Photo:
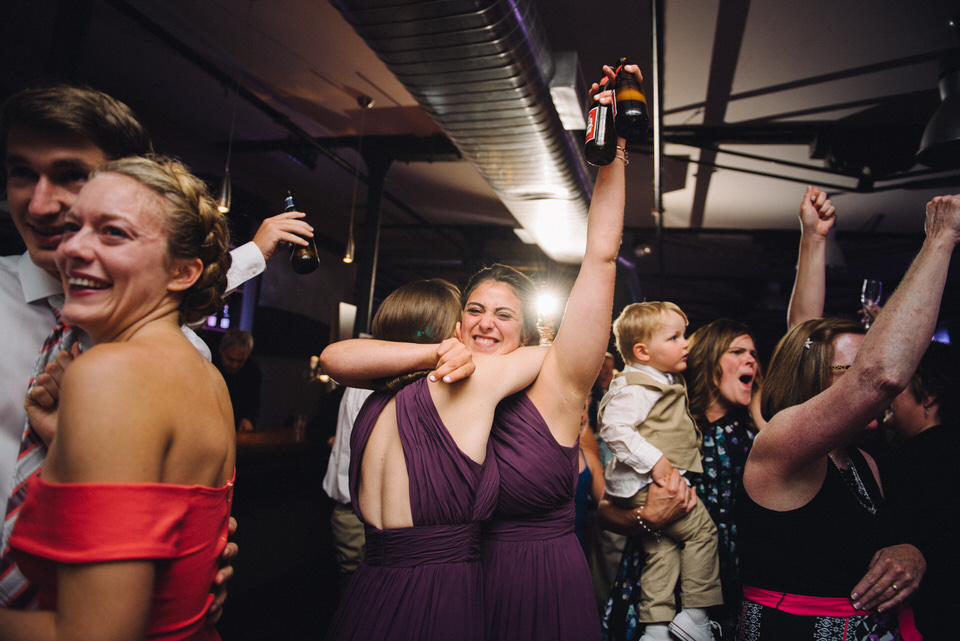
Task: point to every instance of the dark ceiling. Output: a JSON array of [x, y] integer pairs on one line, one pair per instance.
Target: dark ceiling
[[759, 99]]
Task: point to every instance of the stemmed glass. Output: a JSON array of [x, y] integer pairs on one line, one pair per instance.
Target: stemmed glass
[[871, 292]]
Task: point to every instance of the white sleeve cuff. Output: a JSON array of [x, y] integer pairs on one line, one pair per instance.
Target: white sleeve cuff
[[248, 262]]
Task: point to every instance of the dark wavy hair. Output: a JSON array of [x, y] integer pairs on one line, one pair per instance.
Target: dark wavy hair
[[707, 345], [78, 110], [523, 288], [938, 374]]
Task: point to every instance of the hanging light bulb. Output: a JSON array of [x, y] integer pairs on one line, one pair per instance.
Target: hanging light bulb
[[226, 188], [365, 102], [226, 192], [348, 254]]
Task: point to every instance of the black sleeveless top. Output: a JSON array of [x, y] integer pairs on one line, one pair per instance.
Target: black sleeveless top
[[821, 549]]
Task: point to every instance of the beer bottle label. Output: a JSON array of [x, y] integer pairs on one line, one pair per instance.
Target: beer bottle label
[[591, 124]]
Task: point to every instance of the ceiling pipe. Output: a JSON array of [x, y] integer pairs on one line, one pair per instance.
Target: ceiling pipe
[[482, 70]]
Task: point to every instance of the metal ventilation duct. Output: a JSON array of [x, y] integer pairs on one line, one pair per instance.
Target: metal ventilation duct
[[482, 70]]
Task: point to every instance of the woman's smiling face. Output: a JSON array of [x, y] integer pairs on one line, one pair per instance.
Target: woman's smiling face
[[113, 257], [492, 319]]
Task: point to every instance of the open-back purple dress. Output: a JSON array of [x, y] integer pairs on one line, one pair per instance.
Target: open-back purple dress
[[537, 584], [421, 583]]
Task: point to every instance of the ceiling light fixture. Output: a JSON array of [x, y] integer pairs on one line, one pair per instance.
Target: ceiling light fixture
[[225, 201], [226, 189], [365, 102], [940, 145]]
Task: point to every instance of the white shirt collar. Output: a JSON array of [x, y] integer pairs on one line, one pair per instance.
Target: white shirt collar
[[657, 375], [36, 283]]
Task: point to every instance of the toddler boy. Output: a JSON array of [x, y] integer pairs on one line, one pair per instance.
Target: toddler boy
[[645, 420]]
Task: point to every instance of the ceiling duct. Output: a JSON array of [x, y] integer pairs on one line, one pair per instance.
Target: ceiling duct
[[482, 69]]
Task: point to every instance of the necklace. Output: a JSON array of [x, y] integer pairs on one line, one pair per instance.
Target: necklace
[[852, 479]]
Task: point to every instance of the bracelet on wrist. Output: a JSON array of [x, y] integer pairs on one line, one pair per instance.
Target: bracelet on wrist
[[622, 155], [654, 533]]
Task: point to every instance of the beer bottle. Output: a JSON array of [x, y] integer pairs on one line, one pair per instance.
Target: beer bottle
[[631, 119], [600, 147], [303, 259]]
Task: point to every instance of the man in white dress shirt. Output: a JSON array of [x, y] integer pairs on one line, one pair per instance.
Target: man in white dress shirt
[[347, 528], [51, 137]]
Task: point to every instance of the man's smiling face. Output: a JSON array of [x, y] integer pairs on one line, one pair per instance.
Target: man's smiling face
[[45, 171]]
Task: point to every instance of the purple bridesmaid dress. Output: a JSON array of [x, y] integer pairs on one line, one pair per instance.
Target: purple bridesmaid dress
[[421, 583], [537, 584]]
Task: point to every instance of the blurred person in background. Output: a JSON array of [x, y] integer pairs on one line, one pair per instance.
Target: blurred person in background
[[242, 375]]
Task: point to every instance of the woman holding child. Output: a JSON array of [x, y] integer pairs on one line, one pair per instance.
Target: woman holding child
[[722, 373]]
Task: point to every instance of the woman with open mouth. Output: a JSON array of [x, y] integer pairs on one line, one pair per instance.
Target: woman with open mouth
[[723, 374]]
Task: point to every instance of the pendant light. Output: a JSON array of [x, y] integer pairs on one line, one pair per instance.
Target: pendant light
[[226, 189], [365, 102], [940, 145]]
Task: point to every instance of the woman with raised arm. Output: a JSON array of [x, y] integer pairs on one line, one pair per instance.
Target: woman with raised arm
[[817, 217], [809, 513], [122, 528], [537, 584], [537, 581], [422, 477]]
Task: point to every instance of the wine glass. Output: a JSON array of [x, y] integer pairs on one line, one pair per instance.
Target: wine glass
[[871, 292]]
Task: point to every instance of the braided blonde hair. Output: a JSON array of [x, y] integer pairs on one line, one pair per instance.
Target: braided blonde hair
[[195, 228]]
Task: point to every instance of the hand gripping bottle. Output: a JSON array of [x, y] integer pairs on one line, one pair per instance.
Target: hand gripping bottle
[[600, 147], [631, 120], [303, 259]]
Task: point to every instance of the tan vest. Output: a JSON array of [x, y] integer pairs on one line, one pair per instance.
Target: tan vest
[[669, 426]]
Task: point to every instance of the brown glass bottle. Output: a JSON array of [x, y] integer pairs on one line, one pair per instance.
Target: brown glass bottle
[[600, 147], [631, 119], [303, 259]]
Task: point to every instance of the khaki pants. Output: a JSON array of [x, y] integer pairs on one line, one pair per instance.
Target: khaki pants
[[686, 549], [348, 539]]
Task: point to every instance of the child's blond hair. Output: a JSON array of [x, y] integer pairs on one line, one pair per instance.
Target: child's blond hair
[[637, 323]]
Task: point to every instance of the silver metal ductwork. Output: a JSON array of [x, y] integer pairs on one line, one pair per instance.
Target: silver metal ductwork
[[482, 69]]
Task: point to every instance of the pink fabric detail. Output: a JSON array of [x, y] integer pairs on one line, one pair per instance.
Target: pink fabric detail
[[908, 627], [800, 604]]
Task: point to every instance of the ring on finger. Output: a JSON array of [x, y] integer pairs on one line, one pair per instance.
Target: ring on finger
[[894, 586]]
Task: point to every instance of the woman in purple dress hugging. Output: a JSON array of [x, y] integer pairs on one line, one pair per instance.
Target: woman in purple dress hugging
[[536, 581], [423, 475]]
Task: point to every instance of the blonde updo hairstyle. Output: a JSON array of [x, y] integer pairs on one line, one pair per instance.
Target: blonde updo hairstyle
[[195, 228]]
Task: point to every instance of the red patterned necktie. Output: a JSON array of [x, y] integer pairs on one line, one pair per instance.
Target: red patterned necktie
[[16, 593]]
